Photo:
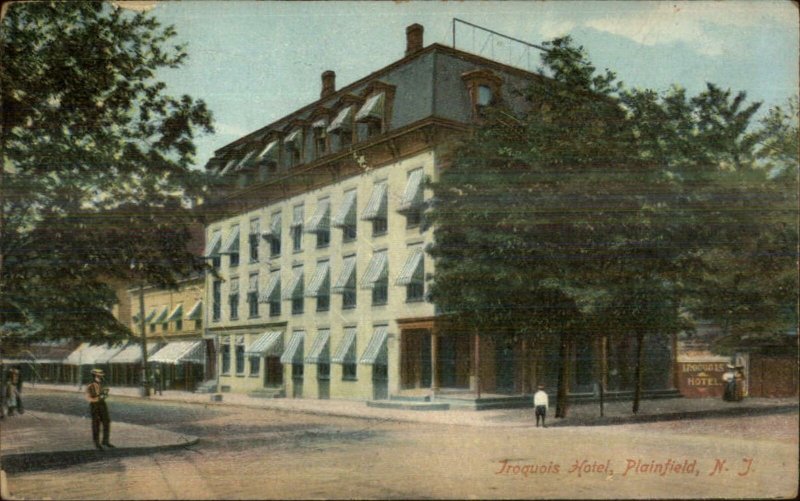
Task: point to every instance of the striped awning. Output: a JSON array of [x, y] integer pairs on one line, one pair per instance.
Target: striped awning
[[348, 271], [150, 316], [293, 138], [320, 221], [269, 343], [297, 216], [346, 351], [294, 349], [178, 352], [373, 108], [319, 353], [107, 353], [196, 313], [376, 352], [268, 151], [320, 281], [412, 271], [274, 230], [231, 245], [177, 314], [86, 354], [245, 161], [346, 215], [295, 288], [273, 289], [212, 249], [228, 167], [342, 120], [162, 317], [376, 206], [132, 354], [376, 270], [320, 123], [412, 195]]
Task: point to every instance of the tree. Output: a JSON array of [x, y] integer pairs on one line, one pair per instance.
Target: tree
[[96, 164]]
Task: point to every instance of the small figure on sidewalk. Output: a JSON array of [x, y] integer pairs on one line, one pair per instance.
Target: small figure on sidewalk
[[540, 403], [157, 381], [738, 379], [96, 394], [12, 397], [729, 395]]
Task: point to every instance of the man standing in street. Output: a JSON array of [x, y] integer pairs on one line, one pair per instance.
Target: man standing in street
[[540, 403], [96, 394]]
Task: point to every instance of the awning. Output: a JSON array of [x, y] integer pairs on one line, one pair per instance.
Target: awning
[[132, 354], [373, 108], [320, 123], [295, 288], [342, 120], [413, 270], [177, 314], [376, 207], [228, 167], [150, 316], [376, 270], [346, 352], [319, 353], [162, 317], [320, 281], [273, 289], [348, 271], [244, 162], [267, 344], [297, 216], [107, 353], [178, 352], [320, 221], [268, 150], [274, 230], [213, 245], [292, 139], [196, 313], [294, 350], [86, 354], [412, 195], [346, 215], [376, 349], [231, 245]]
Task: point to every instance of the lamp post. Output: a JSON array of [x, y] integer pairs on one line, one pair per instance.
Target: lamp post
[[145, 389]]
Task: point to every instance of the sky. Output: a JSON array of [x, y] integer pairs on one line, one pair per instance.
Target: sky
[[255, 62]]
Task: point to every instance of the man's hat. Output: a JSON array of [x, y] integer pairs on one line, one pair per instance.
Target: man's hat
[[541, 387], [98, 372]]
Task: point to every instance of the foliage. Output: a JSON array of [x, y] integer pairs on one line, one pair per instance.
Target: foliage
[[88, 133]]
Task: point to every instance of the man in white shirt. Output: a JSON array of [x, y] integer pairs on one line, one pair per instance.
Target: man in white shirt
[[540, 401]]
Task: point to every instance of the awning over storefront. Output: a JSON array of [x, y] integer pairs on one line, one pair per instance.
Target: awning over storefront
[[232, 242], [319, 353], [320, 221], [346, 215], [376, 206], [412, 271], [412, 195], [294, 350], [178, 352], [348, 270], [87, 354], [295, 288], [346, 351], [376, 270], [320, 281], [267, 344], [376, 349], [132, 354]]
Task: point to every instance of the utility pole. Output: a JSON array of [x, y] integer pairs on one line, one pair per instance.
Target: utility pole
[[142, 326]]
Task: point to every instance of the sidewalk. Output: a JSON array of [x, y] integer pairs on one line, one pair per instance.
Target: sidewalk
[[582, 414]]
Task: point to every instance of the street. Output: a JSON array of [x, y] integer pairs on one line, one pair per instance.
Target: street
[[253, 453]]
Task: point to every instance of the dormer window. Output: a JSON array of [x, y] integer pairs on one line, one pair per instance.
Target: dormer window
[[342, 127], [267, 160], [320, 129], [371, 114], [483, 88], [294, 147]]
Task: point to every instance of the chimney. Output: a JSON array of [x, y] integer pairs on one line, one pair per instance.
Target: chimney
[[328, 83], [414, 38]]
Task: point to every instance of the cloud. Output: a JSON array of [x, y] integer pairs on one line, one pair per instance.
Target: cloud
[[694, 23]]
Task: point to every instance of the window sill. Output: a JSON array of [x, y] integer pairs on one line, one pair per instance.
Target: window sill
[[240, 374], [415, 300], [253, 375], [349, 379], [251, 317], [380, 304], [349, 307]]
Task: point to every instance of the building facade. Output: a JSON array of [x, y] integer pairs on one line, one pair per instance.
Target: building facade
[[319, 238]]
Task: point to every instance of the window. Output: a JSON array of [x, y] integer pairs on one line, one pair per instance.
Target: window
[[376, 210], [231, 246], [320, 223], [273, 235], [152, 327], [272, 294], [411, 202], [267, 160], [349, 371], [483, 88], [252, 296], [319, 287], [253, 239], [216, 261], [275, 246], [297, 229], [275, 307], [380, 291], [234, 259], [178, 325], [233, 299], [323, 371], [377, 278], [345, 217], [255, 366], [349, 298], [213, 247], [346, 283], [371, 114], [342, 127], [297, 371], [346, 354], [323, 238], [484, 95], [294, 147], [320, 137], [379, 226], [165, 327], [198, 324], [297, 305], [412, 275], [225, 353], [239, 357], [294, 292], [216, 300]]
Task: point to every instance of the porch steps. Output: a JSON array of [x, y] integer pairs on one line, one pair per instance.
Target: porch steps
[[208, 386], [408, 405], [268, 393]]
